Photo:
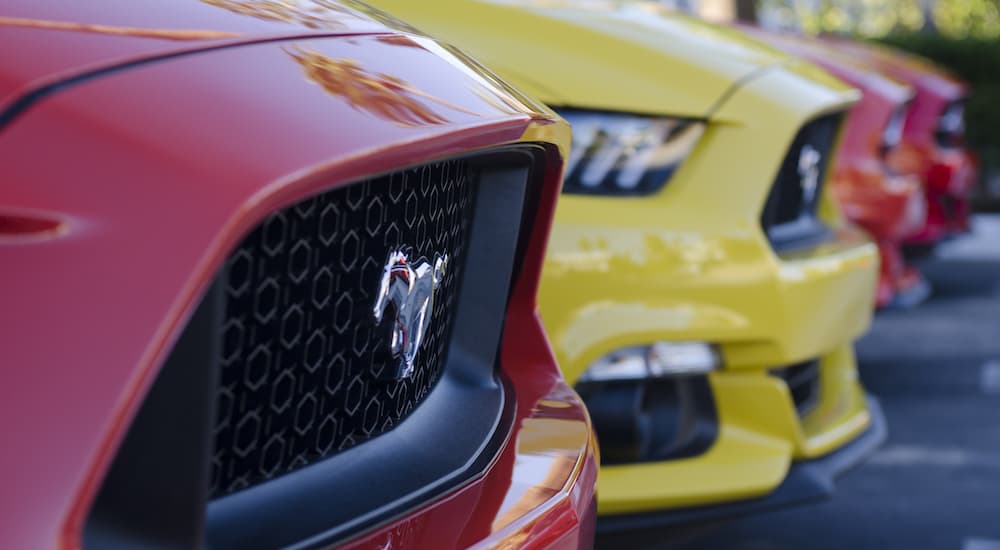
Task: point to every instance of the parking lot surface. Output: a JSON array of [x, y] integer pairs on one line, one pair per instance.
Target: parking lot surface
[[935, 484]]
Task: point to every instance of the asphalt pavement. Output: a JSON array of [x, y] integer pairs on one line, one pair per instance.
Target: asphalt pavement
[[935, 484]]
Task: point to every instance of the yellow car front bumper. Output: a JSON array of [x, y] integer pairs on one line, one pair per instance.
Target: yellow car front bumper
[[804, 481], [759, 436], [763, 315]]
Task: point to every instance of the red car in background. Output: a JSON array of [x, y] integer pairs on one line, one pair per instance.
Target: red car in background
[[889, 203], [270, 276], [933, 139]]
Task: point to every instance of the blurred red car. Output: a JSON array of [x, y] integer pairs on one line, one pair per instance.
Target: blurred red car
[[888, 203], [270, 276], [933, 139]]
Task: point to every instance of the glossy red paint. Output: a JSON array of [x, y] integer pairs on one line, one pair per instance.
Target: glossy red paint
[[153, 173], [540, 491], [119, 31], [890, 205], [950, 171]]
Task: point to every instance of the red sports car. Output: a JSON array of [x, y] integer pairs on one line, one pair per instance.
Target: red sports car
[[933, 139], [888, 203], [269, 280]]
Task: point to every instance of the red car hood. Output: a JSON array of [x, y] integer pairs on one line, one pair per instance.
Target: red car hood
[[919, 73], [56, 39], [858, 71]]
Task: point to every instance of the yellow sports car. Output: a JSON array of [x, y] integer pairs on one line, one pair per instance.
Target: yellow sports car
[[701, 290]]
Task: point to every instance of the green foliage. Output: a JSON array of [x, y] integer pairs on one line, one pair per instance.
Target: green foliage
[[975, 60], [857, 17], [967, 18], [952, 18]]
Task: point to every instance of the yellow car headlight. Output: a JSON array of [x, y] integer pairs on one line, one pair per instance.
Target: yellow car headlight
[[623, 154]]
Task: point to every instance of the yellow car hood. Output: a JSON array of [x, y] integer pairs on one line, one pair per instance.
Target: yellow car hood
[[613, 55]]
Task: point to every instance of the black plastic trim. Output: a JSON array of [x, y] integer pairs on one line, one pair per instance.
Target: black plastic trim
[[943, 138], [807, 230], [807, 481], [802, 234], [804, 382], [155, 491], [529, 214], [652, 420]]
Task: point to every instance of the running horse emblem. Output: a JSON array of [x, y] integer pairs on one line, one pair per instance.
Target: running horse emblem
[[409, 286]]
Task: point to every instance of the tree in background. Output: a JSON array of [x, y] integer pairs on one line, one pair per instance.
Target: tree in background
[[972, 18], [952, 18], [864, 17]]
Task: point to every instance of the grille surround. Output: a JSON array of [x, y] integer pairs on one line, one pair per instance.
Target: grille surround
[[422, 457], [949, 134], [363, 486], [303, 362], [789, 218], [803, 381]]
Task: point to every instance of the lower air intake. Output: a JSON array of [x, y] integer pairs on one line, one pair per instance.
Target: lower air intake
[[803, 383]]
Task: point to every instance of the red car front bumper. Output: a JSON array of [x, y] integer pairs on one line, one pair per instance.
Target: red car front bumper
[[931, 147], [540, 492], [950, 177], [889, 207]]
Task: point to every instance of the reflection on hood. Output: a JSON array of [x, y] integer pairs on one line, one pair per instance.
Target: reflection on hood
[[312, 16], [378, 94], [166, 34]]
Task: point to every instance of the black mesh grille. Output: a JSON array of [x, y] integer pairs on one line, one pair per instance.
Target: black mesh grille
[[790, 199], [950, 131], [803, 383], [301, 354]]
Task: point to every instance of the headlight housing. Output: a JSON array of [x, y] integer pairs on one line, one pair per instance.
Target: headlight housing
[[623, 154], [950, 131], [892, 135]]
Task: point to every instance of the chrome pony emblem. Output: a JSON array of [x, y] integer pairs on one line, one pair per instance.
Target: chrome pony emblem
[[809, 166], [409, 286]]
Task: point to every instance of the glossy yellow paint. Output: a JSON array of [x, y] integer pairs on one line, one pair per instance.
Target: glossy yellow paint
[[690, 262], [758, 439], [595, 54]]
